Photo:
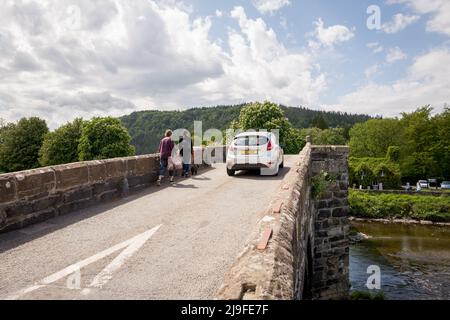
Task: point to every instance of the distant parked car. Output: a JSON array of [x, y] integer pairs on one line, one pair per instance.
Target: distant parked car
[[445, 185], [432, 183], [255, 150], [423, 183]]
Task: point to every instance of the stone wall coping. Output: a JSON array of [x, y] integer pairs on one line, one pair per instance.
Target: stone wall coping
[[327, 148]]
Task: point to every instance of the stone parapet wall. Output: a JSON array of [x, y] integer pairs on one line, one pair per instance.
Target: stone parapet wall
[[36, 195], [307, 254], [332, 227]]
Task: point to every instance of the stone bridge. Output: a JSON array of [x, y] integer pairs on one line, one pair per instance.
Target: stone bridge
[[103, 230]]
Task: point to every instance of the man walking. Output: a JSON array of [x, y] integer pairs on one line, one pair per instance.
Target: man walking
[[165, 149], [187, 153]]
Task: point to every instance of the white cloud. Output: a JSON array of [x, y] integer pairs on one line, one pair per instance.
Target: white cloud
[[270, 6], [372, 71], [439, 11], [262, 68], [139, 54], [329, 36], [395, 54], [399, 23], [284, 23], [375, 46], [219, 13], [426, 82]]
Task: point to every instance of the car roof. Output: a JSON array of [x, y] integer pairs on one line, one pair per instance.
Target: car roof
[[253, 134]]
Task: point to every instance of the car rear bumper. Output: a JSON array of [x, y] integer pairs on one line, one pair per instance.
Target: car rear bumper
[[247, 166], [238, 163]]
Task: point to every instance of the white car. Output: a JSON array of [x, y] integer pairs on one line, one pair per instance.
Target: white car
[[423, 184], [255, 150]]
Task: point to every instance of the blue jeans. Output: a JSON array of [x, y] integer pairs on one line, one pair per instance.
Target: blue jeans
[[164, 163], [186, 168]]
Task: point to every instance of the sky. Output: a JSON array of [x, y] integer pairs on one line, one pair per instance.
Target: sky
[[64, 59]]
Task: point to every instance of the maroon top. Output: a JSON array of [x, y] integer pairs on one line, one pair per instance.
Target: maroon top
[[165, 148]]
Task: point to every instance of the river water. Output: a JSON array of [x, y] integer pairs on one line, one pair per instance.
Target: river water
[[414, 260]]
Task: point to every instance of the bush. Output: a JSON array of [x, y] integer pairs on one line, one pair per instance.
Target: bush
[[20, 144], [398, 206], [104, 138], [61, 145]]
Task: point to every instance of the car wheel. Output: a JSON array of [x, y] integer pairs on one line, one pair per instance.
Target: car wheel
[[282, 165], [231, 173], [277, 172]]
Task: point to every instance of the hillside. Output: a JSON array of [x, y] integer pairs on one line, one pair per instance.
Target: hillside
[[147, 127]]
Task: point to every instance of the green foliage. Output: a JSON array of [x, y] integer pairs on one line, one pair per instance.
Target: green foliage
[[320, 122], [20, 144], [61, 145], [393, 154], [397, 206], [269, 116], [147, 127], [374, 137], [301, 117], [295, 142], [370, 171], [418, 141], [388, 174], [320, 183], [104, 138], [333, 136]]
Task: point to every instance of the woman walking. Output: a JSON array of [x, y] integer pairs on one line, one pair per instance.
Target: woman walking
[[165, 149]]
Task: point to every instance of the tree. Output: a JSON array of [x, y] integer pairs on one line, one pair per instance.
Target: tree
[[393, 154], [104, 138], [269, 116], [61, 145], [333, 136], [374, 137], [320, 122], [440, 147], [20, 144]]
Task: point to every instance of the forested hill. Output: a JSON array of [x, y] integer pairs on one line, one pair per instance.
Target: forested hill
[[147, 127]]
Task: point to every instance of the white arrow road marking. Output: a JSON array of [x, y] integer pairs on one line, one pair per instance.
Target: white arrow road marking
[[132, 246]]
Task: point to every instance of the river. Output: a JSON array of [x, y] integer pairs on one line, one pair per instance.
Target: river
[[414, 260]]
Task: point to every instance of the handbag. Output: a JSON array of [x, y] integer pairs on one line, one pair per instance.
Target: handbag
[[170, 164], [177, 162]]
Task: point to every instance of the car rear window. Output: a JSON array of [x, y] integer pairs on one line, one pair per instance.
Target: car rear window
[[251, 141]]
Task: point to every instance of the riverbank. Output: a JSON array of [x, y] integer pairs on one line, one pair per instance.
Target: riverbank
[[401, 208], [402, 221]]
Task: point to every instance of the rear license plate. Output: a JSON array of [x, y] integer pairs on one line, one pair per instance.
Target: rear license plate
[[249, 152]]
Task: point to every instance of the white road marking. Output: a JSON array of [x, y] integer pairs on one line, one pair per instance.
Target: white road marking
[[103, 277], [131, 245]]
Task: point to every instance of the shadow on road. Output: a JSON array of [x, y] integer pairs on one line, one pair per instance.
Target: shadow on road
[[13, 239], [255, 175]]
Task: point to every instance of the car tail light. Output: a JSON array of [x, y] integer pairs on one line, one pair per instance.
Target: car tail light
[[231, 149], [269, 146]]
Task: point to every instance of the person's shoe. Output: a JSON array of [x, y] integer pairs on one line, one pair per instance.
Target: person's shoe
[[172, 180], [158, 183]]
